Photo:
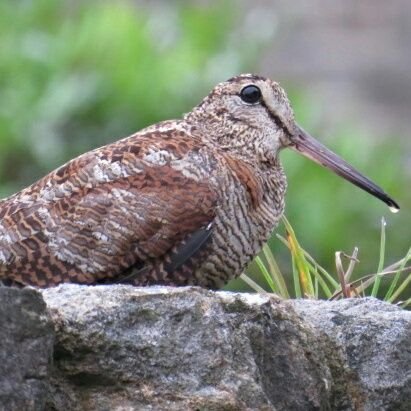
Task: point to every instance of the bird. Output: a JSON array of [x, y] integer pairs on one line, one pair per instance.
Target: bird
[[182, 202]]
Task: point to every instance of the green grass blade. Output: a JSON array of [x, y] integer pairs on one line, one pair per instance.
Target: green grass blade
[[400, 288], [275, 272], [323, 271], [313, 263], [396, 278], [321, 282], [252, 284], [296, 280], [406, 303], [316, 288], [266, 274], [300, 261], [377, 282]]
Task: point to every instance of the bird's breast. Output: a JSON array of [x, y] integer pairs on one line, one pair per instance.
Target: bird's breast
[[250, 204]]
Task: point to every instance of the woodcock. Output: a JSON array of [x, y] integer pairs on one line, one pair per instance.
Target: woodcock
[[188, 201]]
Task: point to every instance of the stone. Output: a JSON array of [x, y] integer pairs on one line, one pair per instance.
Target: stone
[[374, 339], [162, 348], [26, 344], [158, 348]]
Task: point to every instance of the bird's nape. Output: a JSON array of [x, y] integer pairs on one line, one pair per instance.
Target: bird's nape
[[309, 147]]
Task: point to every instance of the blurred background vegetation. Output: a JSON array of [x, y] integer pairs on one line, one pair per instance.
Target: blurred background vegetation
[[76, 75]]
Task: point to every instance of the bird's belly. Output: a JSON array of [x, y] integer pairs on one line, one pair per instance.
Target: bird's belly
[[238, 235]]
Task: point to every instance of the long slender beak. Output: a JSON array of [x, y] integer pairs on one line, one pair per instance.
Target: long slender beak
[[309, 147]]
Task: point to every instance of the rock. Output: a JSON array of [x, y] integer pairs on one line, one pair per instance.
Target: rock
[[374, 339], [158, 348], [26, 343]]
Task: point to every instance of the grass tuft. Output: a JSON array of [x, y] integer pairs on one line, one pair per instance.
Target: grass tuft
[[310, 280]]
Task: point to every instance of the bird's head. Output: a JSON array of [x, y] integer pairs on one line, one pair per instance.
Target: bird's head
[[251, 116]]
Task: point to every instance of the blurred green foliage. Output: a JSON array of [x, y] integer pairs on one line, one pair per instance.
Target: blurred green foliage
[[76, 75]]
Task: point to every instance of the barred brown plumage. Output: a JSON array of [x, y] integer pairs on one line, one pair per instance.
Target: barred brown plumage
[[187, 201]]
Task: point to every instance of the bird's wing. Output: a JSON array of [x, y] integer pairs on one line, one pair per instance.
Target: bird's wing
[[108, 210]]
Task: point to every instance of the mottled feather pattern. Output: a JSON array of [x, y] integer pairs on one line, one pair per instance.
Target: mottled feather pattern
[[130, 206]]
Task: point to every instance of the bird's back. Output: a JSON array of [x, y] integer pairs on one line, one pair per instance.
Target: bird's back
[[137, 204]]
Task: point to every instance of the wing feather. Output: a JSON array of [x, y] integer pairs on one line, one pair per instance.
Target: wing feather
[[104, 212]]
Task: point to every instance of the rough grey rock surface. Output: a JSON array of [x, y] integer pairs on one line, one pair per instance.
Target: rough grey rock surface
[[26, 344], [374, 339], [125, 348]]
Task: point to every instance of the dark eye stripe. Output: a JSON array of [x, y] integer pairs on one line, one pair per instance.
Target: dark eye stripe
[[276, 119]]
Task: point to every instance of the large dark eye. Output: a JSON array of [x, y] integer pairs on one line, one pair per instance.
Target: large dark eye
[[250, 94]]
